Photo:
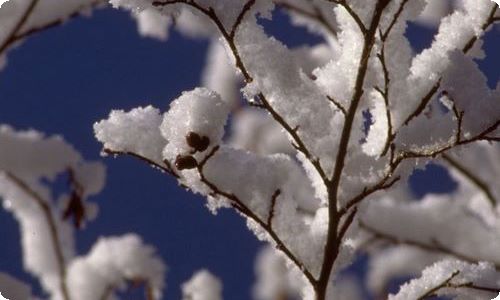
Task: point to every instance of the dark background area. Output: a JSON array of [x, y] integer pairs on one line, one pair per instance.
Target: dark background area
[[63, 80]]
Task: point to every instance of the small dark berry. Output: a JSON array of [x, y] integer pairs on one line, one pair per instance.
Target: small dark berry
[[185, 162], [197, 142]]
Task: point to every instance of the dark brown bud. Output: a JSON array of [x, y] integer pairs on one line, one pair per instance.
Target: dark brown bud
[[185, 162], [75, 210], [197, 142]]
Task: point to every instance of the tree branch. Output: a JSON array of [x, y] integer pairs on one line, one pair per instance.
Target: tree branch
[[448, 284], [244, 210], [337, 105], [210, 13], [316, 15], [491, 19], [434, 246], [333, 243], [54, 234], [435, 152], [17, 35], [462, 169], [167, 168], [433, 90], [443, 284], [273, 205], [395, 18], [385, 96], [352, 13], [17, 27], [367, 191], [347, 223]]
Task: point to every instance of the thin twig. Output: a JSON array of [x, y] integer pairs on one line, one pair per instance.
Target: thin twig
[[240, 206], [316, 15], [394, 20], [472, 177], [433, 90], [352, 13], [434, 246], [439, 286], [272, 209], [55, 23], [385, 96], [383, 184], [167, 168], [19, 24], [51, 222], [337, 105]]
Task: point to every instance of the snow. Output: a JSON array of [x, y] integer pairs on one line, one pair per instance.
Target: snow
[[481, 274], [201, 112], [134, 131], [202, 286], [112, 262], [12, 288], [29, 162]]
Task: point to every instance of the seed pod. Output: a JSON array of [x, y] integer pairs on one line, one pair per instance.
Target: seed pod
[[197, 142], [185, 162]]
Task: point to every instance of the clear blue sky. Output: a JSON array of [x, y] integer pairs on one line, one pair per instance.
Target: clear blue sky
[[63, 80]]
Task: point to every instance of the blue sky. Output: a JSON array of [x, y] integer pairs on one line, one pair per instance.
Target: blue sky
[[63, 80]]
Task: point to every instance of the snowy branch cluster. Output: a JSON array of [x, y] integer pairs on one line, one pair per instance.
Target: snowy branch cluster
[[312, 146]]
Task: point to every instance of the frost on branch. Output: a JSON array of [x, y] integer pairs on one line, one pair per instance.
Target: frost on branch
[[194, 151], [111, 264], [453, 278], [202, 286], [20, 18], [194, 124], [327, 129], [136, 131], [29, 163], [463, 225]]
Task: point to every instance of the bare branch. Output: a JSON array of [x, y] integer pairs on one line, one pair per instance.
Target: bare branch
[[385, 96], [167, 168], [272, 209], [347, 223], [337, 105], [239, 19], [470, 285]]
